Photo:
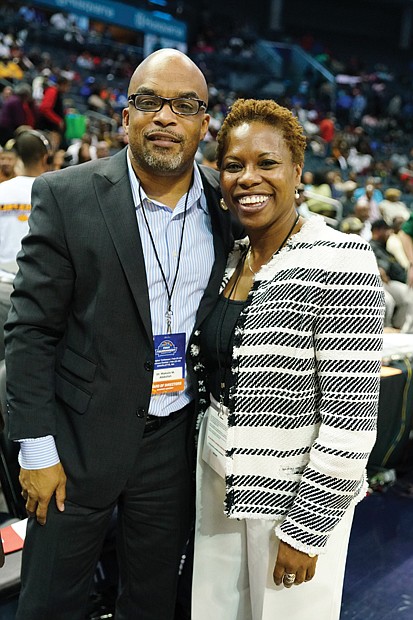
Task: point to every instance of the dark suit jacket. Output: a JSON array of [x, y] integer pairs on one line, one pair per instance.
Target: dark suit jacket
[[79, 348]]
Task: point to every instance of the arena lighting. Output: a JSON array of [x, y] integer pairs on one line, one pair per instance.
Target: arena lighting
[[159, 2]]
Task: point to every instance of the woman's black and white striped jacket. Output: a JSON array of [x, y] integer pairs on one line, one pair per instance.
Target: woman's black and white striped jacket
[[303, 410]]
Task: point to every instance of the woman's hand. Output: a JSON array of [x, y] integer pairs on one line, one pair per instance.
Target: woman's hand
[[291, 562]]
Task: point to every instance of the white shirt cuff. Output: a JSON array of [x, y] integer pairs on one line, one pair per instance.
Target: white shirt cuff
[[38, 453]]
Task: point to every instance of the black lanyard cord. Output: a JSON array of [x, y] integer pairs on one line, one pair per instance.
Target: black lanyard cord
[[169, 293]]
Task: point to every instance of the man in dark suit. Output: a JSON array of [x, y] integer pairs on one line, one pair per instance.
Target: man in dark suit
[[123, 260]]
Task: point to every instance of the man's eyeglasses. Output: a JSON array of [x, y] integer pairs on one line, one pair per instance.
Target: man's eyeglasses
[[184, 106]]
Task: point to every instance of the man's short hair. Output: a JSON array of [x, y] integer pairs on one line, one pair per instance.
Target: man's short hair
[[31, 146], [380, 225]]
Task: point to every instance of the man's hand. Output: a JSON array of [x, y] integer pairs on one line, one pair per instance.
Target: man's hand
[[291, 562], [38, 486]]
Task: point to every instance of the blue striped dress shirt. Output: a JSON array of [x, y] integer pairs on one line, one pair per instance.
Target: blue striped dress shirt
[[197, 258]]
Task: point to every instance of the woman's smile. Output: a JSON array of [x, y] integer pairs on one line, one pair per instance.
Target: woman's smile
[[252, 203]]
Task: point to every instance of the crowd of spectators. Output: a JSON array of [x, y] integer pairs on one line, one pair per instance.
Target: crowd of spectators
[[359, 161]]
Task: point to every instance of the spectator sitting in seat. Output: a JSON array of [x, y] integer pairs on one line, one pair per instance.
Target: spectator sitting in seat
[[371, 197], [395, 244], [301, 202], [370, 190], [392, 206], [406, 238], [320, 187], [362, 212], [80, 148], [102, 149], [351, 225], [394, 277], [347, 199]]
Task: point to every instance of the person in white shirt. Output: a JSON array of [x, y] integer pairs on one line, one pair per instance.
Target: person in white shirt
[[392, 206], [394, 242], [34, 150], [362, 211]]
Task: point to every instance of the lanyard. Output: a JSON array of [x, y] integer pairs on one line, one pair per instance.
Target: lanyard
[[169, 293]]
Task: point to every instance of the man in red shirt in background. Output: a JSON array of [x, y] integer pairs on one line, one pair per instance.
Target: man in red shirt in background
[[327, 131], [51, 110]]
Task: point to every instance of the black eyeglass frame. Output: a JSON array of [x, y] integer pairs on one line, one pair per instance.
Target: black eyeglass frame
[[169, 101]]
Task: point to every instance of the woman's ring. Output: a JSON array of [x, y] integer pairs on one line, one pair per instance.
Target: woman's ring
[[289, 578]]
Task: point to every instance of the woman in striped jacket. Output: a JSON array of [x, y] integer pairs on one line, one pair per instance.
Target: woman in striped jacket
[[288, 366]]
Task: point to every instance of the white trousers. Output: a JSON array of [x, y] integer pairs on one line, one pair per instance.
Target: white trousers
[[234, 561]]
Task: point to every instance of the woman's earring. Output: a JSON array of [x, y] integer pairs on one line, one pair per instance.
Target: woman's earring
[[297, 195], [223, 205]]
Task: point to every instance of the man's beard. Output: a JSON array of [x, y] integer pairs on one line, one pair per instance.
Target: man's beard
[[163, 162], [159, 160]]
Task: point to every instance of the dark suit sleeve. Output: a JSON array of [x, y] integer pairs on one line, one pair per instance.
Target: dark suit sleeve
[[37, 319]]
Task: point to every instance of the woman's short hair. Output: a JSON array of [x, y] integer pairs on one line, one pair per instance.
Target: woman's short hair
[[270, 113]]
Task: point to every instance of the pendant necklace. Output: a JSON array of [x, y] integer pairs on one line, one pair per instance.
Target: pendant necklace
[[248, 256]]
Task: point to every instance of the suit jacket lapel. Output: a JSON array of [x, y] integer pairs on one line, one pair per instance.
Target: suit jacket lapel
[[116, 203]]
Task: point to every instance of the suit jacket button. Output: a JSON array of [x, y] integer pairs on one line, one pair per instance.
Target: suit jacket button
[[141, 412], [148, 365]]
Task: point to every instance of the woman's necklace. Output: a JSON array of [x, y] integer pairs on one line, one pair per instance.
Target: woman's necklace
[[248, 256]]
